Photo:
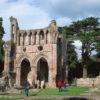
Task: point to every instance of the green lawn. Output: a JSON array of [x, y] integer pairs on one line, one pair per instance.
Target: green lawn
[[71, 91], [8, 98], [41, 93]]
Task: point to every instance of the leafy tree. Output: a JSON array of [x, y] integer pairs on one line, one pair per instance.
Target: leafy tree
[[1, 45], [72, 55], [85, 30], [1, 41], [72, 61]]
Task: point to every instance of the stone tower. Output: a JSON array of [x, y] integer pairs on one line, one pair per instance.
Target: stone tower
[[37, 55]]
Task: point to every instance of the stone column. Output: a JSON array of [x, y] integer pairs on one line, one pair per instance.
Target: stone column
[[34, 39], [31, 39], [52, 78], [31, 76], [21, 40], [27, 39], [6, 59], [37, 38], [18, 76]]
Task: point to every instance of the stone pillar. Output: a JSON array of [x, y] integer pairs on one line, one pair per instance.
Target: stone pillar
[[34, 39], [27, 40], [52, 78], [45, 36], [6, 59], [49, 39], [37, 38], [18, 76], [21, 40], [31, 39], [31, 76]]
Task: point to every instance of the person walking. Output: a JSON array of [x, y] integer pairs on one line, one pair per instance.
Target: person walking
[[26, 87]]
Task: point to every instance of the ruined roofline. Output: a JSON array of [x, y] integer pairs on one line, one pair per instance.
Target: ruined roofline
[[41, 29], [33, 30], [52, 22]]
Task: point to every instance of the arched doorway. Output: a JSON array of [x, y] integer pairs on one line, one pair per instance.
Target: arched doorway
[[1, 67], [42, 70], [25, 69]]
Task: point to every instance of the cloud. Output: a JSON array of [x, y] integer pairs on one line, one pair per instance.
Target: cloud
[[38, 13], [71, 8], [62, 21], [28, 16]]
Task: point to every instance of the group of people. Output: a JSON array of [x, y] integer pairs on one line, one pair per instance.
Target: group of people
[[62, 85]]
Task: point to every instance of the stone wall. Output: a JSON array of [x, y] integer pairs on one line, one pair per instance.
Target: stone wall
[[36, 44], [89, 82]]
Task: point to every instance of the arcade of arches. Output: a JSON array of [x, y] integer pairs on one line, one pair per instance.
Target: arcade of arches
[[42, 71]]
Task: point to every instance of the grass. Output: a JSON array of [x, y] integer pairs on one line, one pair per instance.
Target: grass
[[3, 98], [49, 94], [71, 91]]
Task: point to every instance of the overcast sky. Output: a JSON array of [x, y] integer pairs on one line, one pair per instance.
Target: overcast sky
[[39, 13]]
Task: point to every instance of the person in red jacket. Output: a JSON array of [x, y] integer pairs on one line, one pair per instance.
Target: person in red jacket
[[59, 84]]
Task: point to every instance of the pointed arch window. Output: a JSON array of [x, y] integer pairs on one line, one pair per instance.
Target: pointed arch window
[[35, 37], [24, 38], [47, 37], [41, 36], [30, 38], [19, 39]]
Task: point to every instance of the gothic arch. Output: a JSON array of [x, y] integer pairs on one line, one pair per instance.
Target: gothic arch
[[24, 38], [21, 58], [30, 38], [38, 57], [47, 36], [42, 70], [41, 36], [19, 39]]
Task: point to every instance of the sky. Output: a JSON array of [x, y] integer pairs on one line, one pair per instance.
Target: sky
[[38, 13]]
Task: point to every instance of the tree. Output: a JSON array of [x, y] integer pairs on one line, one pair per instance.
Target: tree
[[72, 61], [85, 31], [1, 44]]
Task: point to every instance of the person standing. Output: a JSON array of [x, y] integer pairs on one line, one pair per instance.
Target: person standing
[[59, 84]]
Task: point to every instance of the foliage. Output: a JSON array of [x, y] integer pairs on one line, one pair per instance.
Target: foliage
[[86, 31], [66, 31], [72, 55], [1, 28], [1, 41]]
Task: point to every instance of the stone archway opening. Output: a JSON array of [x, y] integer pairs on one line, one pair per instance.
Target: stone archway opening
[[25, 69], [1, 68], [42, 70]]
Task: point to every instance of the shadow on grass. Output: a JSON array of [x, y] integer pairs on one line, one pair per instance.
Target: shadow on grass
[[36, 93], [75, 98]]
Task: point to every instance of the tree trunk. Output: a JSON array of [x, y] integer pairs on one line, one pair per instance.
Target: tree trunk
[[84, 71]]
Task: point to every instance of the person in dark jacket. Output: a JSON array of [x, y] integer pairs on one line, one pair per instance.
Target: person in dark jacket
[[26, 87]]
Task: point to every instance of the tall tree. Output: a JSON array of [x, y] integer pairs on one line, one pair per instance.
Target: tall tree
[[72, 61], [1, 44], [85, 31], [71, 57]]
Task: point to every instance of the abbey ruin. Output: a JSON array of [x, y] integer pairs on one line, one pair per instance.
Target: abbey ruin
[[36, 55]]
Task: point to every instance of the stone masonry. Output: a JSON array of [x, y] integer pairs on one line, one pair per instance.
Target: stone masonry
[[36, 55]]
